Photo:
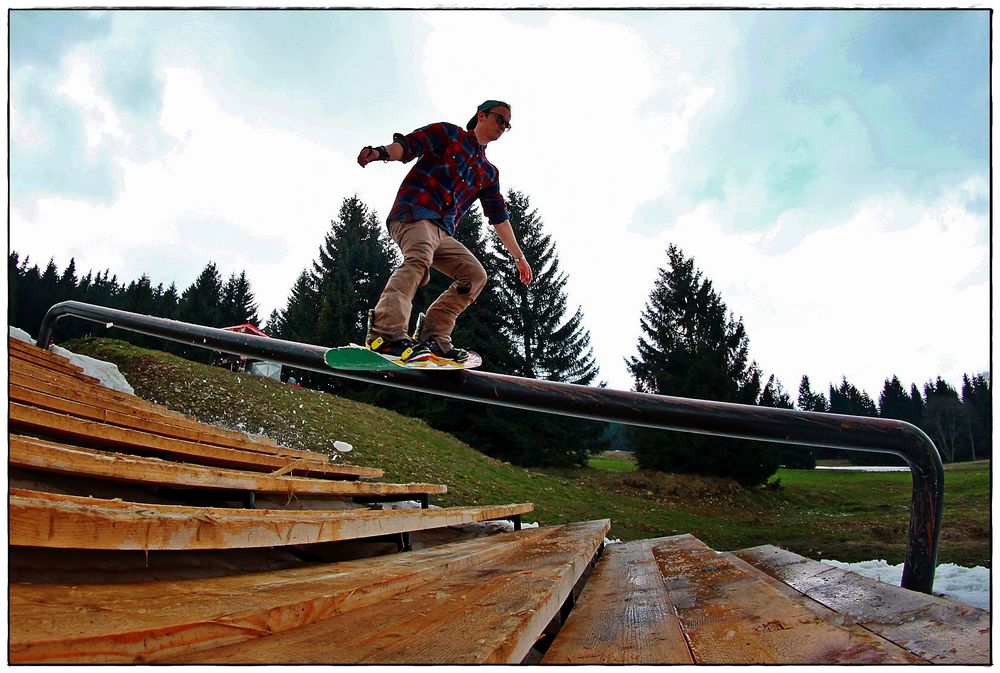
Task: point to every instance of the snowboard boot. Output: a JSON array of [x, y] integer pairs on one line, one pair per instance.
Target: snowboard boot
[[453, 356], [404, 350]]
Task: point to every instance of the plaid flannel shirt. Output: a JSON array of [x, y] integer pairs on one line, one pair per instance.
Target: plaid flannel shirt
[[451, 173]]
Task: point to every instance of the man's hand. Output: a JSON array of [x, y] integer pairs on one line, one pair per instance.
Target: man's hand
[[524, 269], [367, 156]]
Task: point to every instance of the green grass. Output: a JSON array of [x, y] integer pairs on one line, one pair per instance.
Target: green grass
[[611, 464], [849, 516]]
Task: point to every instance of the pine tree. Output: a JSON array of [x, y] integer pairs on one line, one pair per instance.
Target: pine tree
[[849, 400], [238, 303], [168, 303], [355, 262], [139, 296], [977, 401], [895, 402], [551, 342], [691, 346], [789, 455], [14, 274], [201, 302], [810, 401], [943, 418], [66, 285], [297, 321]]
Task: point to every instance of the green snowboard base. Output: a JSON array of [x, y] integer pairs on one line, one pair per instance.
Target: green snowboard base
[[359, 358]]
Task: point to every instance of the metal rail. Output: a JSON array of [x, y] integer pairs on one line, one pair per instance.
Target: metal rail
[[740, 421]]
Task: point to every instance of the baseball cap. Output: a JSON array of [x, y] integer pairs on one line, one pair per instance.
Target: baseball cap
[[485, 107]]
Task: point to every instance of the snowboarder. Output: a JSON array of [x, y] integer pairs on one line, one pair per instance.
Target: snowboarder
[[451, 173]]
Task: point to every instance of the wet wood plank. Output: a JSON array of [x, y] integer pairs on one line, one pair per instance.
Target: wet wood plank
[[39, 454], [29, 374], [732, 613], [151, 621], [25, 351], [486, 614], [39, 519], [103, 412], [623, 616], [937, 629], [92, 433]]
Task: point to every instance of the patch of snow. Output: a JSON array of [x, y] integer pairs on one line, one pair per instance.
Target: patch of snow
[[864, 468], [21, 335], [106, 372], [965, 585], [343, 447]]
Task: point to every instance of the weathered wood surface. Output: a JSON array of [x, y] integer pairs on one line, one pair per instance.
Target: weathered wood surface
[[50, 520], [39, 454], [623, 616], [937, 629], [92, 433], [102, 412], [25, 351], [150, 621], [35, 367], [487, 613], [28, 375], [733, 614]]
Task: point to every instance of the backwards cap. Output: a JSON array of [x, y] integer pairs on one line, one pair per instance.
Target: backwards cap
[[485, 107]]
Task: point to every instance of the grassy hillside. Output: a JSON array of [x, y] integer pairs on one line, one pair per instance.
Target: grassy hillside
[[846, 516]]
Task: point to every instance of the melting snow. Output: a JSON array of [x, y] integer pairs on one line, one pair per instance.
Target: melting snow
[[965, 585]]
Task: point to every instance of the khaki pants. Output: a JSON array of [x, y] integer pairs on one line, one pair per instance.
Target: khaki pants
[[425, 245]]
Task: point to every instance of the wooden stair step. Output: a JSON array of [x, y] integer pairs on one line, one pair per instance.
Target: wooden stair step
[[490, 612], [136, 419], [731, 613], [47, 456], [25, 351], [149, 621], [38, 519], [623, 615], [38, 377], [936, 629], [91, 433]]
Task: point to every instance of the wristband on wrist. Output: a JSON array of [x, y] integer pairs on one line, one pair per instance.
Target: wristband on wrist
[[383, 153]]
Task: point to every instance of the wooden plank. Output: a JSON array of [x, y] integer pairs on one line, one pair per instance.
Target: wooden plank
[[59, 386], [49, 456], [47, 360], [136, 419], [150, 621], [937, 629], [78, 430], [623, 615], [24, 350], [66, 383], [733, 614], [39, 519], [487, 614]]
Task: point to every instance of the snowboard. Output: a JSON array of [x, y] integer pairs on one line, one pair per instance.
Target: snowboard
[[359, 358]]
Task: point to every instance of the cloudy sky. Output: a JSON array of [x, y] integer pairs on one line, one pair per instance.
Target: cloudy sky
[[828, 170]]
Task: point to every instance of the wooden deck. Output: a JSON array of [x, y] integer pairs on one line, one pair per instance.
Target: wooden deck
[[139, 535]]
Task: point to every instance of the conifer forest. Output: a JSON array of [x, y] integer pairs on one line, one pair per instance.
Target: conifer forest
[[690, 345]]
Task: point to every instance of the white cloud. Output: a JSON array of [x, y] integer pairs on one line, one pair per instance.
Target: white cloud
[[224, 172], [882, 293]]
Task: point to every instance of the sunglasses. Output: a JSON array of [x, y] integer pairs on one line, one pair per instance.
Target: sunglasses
[[504, 124]]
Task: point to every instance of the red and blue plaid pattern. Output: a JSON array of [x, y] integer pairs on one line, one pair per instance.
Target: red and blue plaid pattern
[[451, 173]]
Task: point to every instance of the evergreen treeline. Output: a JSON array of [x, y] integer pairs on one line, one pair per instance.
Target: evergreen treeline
[[209, 300], [691, 345]]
